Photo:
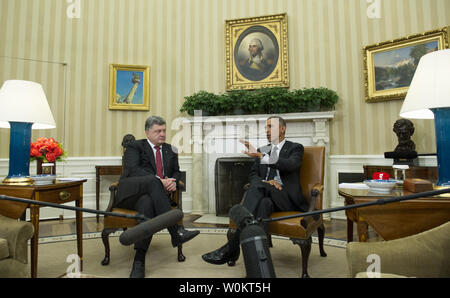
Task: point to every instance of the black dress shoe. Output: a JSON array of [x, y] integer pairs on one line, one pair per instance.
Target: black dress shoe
[[138, 270], [183, 236], [222, 255]]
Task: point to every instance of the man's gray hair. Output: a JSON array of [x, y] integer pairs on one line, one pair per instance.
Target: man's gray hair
[[152, 120], [258, 43]]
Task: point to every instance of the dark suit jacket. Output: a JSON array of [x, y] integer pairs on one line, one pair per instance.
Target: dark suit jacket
[[288, 165], [139, 161]]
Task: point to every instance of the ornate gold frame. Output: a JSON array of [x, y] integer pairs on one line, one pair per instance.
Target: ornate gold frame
[[272, 26], [372, 95], [114, 102]]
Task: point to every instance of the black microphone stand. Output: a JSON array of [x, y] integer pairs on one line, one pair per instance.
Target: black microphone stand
[[138, 217]]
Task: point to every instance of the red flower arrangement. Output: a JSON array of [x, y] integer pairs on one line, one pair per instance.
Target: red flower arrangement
[[47, 149]]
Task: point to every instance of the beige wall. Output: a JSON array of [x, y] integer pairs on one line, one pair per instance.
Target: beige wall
[[183, 43]]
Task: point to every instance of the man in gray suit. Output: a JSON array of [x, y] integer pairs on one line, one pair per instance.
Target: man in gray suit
[[150, 173]]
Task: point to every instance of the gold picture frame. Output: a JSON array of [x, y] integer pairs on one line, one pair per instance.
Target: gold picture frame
[[268, 39], [389, 66], [129, 87]]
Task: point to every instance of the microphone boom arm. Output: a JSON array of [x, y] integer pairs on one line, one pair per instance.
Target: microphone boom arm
[[138, 217]]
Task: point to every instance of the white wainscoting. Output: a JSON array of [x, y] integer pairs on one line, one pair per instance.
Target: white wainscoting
[[84, 167]]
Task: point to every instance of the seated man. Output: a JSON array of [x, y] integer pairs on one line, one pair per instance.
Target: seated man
[[274, 184], [150, 173]]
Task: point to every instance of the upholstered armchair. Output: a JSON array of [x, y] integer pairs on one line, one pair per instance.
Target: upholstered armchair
[[300, 230], [426, 254], [14, 236], [112, 223]]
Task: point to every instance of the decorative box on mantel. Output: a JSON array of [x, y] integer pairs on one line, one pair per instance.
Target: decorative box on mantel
[[214, 137]]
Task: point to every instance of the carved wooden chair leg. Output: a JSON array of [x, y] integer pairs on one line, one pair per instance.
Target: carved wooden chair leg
[[305, 247], [105, 239], [181, 257]]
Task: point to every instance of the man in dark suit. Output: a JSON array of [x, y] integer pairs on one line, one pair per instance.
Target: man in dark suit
[[150, 173], [274, 184]]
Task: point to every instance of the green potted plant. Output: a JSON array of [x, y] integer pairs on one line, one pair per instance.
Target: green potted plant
[[273, 100], [202, 100]]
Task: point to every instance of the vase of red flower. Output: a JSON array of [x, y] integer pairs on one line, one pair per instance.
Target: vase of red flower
[[46, 151]]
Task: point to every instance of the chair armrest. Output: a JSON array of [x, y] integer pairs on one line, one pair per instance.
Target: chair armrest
[[315, 203], [114, 186], [316, 194], [112, 195], [181, 186], [17, 233]]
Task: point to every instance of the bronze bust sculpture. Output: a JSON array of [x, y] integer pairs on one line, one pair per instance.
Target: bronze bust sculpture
[[404, 129]]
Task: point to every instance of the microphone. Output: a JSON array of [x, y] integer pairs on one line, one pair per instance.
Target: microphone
[[254, 243], [255, 249], [148, 228], [241, 216]]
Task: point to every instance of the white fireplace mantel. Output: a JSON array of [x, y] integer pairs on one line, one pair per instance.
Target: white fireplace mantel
[[217, 136]]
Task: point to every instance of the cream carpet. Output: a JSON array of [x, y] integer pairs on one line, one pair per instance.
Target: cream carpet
[[161, 262]]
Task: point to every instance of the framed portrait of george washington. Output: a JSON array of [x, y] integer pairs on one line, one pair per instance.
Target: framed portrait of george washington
[[390, 66], [129, 87], [257, 52]]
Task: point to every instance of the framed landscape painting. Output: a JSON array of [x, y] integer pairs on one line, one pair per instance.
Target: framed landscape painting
[[390, 65], [129, 87], [257, 52]]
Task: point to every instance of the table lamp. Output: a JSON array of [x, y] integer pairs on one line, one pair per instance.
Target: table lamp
[[428, 97], [23, 106]]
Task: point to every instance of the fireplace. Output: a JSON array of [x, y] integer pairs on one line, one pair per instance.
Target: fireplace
[[231, 174], [213, 138]]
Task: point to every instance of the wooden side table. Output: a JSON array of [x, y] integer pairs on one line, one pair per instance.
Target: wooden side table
[[394, 220], [60, 192], [100, 171]]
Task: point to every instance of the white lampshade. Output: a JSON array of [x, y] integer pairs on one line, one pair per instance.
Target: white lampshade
[[430, 86], [25, 101]]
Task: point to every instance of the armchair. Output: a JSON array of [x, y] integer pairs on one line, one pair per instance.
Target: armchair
[[426, 254], [14, 236], [300, 230], [112, 224]]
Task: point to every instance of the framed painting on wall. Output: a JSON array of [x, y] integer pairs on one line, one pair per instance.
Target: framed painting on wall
[[390, 65], [129, 87], [257, 52]]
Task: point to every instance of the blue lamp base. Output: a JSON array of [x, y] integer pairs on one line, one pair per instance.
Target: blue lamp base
[[19, 153], [442, 126]]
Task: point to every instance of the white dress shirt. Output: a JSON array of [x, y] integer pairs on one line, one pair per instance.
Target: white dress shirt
[[265, 160]]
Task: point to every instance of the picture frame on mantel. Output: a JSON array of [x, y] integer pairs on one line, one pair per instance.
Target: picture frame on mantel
[[257, 52], [129, 87], [390, 66]]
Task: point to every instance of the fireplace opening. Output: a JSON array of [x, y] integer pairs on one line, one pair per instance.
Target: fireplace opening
[[231, 175]]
